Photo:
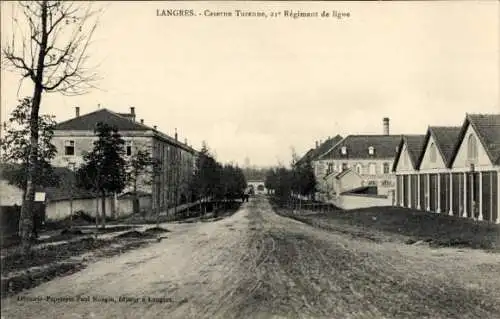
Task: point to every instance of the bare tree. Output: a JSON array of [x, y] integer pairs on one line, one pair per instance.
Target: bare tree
[[48, 45]]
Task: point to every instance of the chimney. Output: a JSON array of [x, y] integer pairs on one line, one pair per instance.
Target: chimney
[[132, 111], [154, 127], [186, 141], [98, 105], [142, 121], [386, 125], [317, 144], [176, 134], [77, 111]]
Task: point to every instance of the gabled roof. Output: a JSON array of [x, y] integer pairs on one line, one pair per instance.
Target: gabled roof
[[315, 153], [414, 144], [444, 137], [487, 127], [357, 147], [307, 157], [88, 121]]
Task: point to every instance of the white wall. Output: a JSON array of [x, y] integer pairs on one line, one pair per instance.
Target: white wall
[[9, 194], [124, 206], [361, 201], [461, 161], [426, 162]]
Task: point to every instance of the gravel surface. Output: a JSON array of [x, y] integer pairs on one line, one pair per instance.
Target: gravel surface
[[256, 264]]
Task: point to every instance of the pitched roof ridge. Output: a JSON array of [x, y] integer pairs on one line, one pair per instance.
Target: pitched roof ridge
[[73, 118]]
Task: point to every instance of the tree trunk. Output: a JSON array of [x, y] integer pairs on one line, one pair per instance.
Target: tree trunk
[[135, 206], [103, 208], [26, 219], [96, 214]]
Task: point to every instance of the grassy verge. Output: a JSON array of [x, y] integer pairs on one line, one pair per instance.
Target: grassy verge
[[21, 271], [411, 226]]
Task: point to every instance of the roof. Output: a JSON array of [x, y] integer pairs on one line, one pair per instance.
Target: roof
[[67, 187], [131, 194], [307, 157], [88, 121], [487, 127], [315, 153], [122, 122], [444, 137], [414, 144], [357, 147], [64, 190]]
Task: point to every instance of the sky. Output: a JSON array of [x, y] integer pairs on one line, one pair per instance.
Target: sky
[[254, 87]]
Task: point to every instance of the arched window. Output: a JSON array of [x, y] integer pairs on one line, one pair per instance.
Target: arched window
[[432, 153], [371, 150], [472, 148]]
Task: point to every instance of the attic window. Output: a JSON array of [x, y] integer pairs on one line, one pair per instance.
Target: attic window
[[343, 150], [69, 148], [371, 150]]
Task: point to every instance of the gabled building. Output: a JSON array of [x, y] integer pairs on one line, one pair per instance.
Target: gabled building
[[370, 156], [433, 168], [475, 167], [406, 169], [312, 157], [74, 137], [457, 170]]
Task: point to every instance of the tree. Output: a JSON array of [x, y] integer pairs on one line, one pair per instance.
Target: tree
[[15, 146], [104, 170], [304, 182], [48, 46], [140, 168]]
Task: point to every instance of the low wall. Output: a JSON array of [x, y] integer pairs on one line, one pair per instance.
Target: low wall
[[354, 201], [124, 206]]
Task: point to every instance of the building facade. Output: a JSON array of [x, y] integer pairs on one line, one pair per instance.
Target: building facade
[[458, 170], [370, 156], [168, 185]]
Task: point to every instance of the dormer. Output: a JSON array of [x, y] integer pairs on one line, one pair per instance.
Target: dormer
[[343, 150], [371, 150]]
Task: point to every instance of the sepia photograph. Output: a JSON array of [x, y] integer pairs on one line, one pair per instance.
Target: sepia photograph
[[250, 159]]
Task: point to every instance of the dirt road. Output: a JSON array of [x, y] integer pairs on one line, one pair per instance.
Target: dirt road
[[256, 264]]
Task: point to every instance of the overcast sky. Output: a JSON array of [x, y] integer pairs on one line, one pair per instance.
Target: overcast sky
[[254, 87]]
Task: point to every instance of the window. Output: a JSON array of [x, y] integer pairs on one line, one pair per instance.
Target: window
[[128, 148], [371, 150], [344, 166], [69, 148], [432, 153], [372, 168], [330, 168], [343, 150], [471, 148], [359, 169], [386, 168]]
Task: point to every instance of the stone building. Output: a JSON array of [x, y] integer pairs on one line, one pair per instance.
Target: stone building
[[370, 156], [169, 186]]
